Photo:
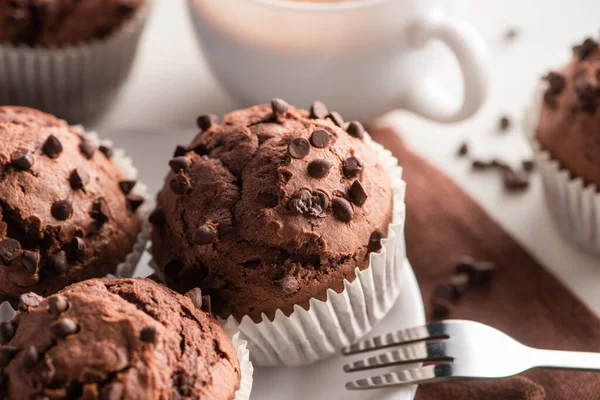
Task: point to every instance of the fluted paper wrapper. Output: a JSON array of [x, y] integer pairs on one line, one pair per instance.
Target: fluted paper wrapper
[[574, 205], [76, 82], [310, 335]]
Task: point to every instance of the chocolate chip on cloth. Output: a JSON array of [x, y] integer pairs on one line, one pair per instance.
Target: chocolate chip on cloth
[[145, 344], [273, 215], [62, 22], [52, 204]]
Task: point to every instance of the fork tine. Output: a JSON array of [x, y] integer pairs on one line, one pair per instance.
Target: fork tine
[[402, 337], [399, 378], [418, 352]]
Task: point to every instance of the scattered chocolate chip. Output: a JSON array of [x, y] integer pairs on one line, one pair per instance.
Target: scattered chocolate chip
[[583, 50], [180, 163], [342, 210], [357, 194], [289, 285], [87, 147], [62, 210], [352, 167], [375, 241], [478, 164], [79, 178], [305, 202], [63, 327], [112, 391], [99, 212], [355, 129], [196, 296], [336, 118], [30, 260], [463, 150], [299, 148], [511, 34], [180, 184], [59, 262], [319, 168], [586, 94], [252, 264], [134, 201], [76, 248], [9, 250], [29, 300], [22, 159], [148, 335], [444, 291], [7, 353], [515, 180], [528, 165], [206, 304], [483, 273], [52, 147], [503, 123], [279, 106], [30, 358], [556, 84], [57, 304], [206, 121], [319, 138], [441, 308], [180, 151], [7, 331], [127, 186], [318, 110], [460, 284], [158, 218], [206, 234], [107, 151]]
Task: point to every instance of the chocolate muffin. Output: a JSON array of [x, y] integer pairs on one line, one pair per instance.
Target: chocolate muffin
[[116, 339], [67, 212], [569, 122], [62, 22], [270, 209]]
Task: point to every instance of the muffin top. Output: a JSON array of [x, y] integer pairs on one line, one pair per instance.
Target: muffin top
[[62, 22], [569, 126], [116, 339], [67, 212], [270, 209]]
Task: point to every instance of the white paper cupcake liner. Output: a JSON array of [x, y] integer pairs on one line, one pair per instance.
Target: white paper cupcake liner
[[574, 205], [75, 82]]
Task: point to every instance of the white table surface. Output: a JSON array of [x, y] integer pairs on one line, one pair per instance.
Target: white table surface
[[171, 85]]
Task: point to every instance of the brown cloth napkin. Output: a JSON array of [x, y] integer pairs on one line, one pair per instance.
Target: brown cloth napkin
[[525, 300]]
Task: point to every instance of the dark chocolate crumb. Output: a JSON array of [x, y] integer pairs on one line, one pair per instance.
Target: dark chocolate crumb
[[148, 335], [78, 178], [375, 241], [99, 212], [305, 202], [180, 151]]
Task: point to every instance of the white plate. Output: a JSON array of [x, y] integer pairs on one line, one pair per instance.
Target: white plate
[[326, 379]]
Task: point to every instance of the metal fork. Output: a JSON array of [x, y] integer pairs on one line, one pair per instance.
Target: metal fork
[[456, 349]]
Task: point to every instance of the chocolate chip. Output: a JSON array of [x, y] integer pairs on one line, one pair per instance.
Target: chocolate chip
[[9, 250], [528, 165], [375, 241], [319, 168], [62, 210], [113, 391], [583, 50], [299, 148], [87, 147], [76, 248], [107, 151], [318, 110], [478, 164], [30, 261], [463, 150], [57, 304], [441, 308], [342, 210], [7, 331], [305, 202], [134, 201], [206, 234], [586, 94], [319, 138], [515, 180], [206, 304], [556, 84], [460, 284], [59, 262], [22, 159], [30, 358], [158, 218], [52, 147], [148, 335], [357, 194], [355, 129], [79, 178], [7, 353], [99, 212], [63, 327], [289, 285], [503, 123], [127, 186], [180, 151], [352, 167], [483, 273], [29, 300], [180, 184], [336, 118], [180, 163], [252, 264], [279, 106], [196, 296]]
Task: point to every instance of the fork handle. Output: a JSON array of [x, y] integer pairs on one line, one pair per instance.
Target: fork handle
[[567, 359]]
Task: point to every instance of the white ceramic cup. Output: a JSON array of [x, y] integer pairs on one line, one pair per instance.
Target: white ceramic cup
[[363, 58]]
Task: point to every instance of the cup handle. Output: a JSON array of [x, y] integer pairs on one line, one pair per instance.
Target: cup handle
[[428, 99]]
